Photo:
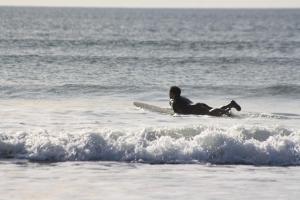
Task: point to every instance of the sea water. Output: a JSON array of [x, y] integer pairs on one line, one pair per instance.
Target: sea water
[[69, 129]]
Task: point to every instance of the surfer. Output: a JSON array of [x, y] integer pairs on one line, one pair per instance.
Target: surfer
[[183, 105]]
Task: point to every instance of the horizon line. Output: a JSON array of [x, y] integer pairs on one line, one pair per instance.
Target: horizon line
[[137, 7]]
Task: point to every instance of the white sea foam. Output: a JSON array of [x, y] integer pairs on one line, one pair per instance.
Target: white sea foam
[[235, 145]]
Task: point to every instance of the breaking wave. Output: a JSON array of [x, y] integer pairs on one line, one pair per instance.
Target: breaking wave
[[201, 144]]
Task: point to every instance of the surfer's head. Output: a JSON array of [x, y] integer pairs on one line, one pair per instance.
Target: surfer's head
[[174, 92]]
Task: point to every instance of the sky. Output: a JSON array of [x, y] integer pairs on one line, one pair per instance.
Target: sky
[[159, 3]]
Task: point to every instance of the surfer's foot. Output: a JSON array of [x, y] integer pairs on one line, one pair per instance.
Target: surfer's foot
[[235, 105]]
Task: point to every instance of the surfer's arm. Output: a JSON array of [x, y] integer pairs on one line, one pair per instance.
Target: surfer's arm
[[171, 101]]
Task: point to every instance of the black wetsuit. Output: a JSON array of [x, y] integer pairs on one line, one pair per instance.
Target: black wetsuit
[[183, 105]]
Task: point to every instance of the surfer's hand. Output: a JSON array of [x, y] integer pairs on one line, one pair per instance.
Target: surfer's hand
[[171, 101]]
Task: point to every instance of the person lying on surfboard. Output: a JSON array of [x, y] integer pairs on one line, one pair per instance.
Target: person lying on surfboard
[[183, 105]]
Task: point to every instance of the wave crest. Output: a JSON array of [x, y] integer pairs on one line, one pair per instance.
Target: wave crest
[[235, 145]]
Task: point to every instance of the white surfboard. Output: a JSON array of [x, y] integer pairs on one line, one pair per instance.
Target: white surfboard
[[154, 108]]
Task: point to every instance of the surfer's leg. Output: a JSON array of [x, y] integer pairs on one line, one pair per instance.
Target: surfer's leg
[[205, 105], [217, 112], [199, 109], [232, 104]]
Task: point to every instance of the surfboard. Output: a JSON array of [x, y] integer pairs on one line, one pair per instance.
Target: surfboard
[[154, 108], [168, 111]]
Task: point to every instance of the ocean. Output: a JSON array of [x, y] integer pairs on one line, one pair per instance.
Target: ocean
[[69, 129]]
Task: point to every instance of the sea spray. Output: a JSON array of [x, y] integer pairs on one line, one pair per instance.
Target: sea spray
[[200, 144]]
